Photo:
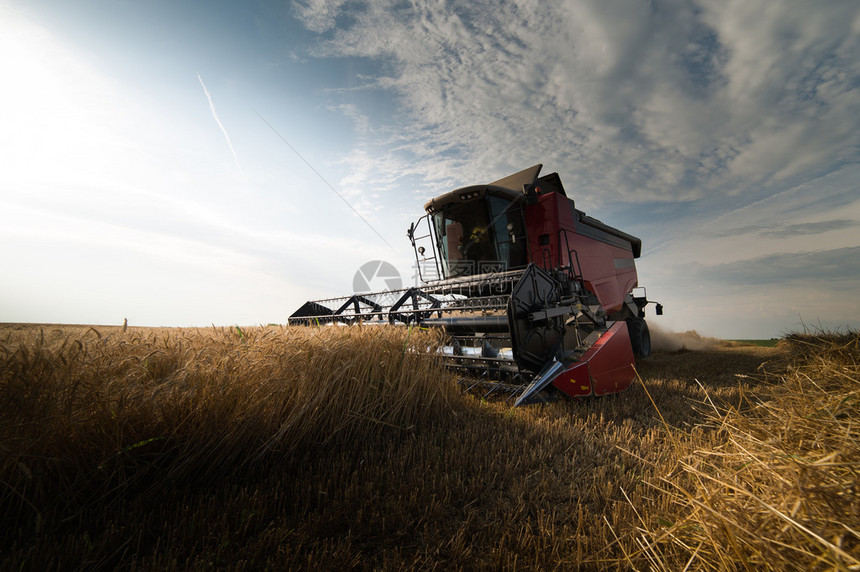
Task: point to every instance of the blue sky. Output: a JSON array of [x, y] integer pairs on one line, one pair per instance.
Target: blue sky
[[139, 178]]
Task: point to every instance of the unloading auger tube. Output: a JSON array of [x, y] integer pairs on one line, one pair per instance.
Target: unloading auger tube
[[535, 297]]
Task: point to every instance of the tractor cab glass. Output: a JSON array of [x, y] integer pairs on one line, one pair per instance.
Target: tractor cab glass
[[480, 236]]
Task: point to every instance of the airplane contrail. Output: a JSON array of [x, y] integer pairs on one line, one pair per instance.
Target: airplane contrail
[[218, 121]]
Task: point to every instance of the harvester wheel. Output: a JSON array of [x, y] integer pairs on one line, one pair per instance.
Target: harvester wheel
[[640, 337]]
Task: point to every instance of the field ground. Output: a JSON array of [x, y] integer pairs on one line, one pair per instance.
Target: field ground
[[332, 448], [771, 343]]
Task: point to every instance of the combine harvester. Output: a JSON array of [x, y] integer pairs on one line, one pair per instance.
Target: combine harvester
[[532, 293]]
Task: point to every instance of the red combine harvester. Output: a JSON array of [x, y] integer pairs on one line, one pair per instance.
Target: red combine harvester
[[535, 297]]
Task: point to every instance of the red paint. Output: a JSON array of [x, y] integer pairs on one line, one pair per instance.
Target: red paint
[[607, 366], [552, 220]]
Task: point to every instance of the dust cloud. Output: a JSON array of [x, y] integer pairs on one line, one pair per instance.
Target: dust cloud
[[665, 341]]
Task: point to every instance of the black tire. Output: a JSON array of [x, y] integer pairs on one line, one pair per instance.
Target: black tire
[[640, 337]]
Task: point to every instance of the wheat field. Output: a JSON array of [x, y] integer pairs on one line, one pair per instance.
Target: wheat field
[[331, 448]]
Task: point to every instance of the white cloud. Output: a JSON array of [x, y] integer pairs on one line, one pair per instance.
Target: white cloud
[[318, 15], [627, 100]]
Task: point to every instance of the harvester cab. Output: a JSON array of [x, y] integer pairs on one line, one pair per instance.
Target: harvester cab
[[535, 296]]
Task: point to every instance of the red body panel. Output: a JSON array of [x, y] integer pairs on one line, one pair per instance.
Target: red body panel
[[607, 270], [607, 367], [544, 220]]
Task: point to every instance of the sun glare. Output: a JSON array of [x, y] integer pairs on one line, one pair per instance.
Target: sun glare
[[58, 113]]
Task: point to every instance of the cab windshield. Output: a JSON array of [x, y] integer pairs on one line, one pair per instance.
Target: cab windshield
[[480, 236]]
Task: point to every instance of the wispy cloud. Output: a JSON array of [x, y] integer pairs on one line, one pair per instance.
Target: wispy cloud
[[787, 230], [628, 100], [804, 229], [833, 267], [218, 121]]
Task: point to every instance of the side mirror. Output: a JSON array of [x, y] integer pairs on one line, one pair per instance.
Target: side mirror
[[659, 309]]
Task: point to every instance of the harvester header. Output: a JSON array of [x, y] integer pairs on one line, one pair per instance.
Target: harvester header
[[531, 292]]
